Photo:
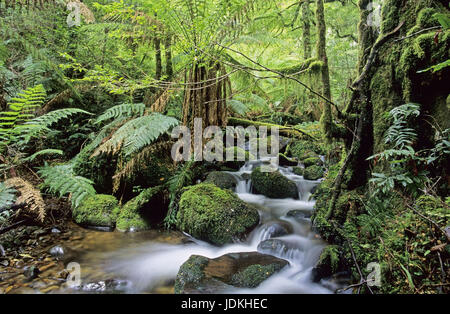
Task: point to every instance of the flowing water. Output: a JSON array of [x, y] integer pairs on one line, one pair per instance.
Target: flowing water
[[151, 265]]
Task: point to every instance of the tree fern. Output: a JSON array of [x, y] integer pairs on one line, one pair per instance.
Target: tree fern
[[61, 180], [122, 110], [137, 133]]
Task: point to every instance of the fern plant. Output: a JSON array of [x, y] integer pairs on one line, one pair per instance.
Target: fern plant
[[137, 133], [18, 126], [182, 178], [401, 138], [61, 180], [7, 195]]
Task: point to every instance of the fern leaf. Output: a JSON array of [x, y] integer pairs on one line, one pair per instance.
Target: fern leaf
[[122, 110], [61, 180], [137, 133], [28, 195], [7, 195], [44, 152]]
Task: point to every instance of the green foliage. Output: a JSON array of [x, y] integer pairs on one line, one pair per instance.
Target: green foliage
[[401, 138], [61, 180], [7, 195], [182, 178], [137, 133], [120, 111]]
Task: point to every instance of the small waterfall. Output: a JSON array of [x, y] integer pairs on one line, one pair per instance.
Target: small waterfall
[[290, 237]]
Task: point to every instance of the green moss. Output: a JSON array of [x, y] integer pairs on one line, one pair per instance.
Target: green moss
[[97, 210], [305, 149], [221, 179], [254, 275], [190, 273], [273, 184], [311, 161], [298, 171], [131, 217], [313, 172], [218, 216], [425, 18]]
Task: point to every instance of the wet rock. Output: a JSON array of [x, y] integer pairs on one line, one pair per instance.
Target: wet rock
[[277, 229], [2, 251], [313, 173], [272, 246], [299, 215], [223, 180], [286, 161], [4, 263], [199, 274], [109, 285], [57, 251], [31, 272], [273, 184], [328, 263], [55, 230], [211, 214]]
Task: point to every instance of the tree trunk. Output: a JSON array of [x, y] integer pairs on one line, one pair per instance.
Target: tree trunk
[[306, 18], [205, 96], [158, 63], [326, 118], [168, 52]]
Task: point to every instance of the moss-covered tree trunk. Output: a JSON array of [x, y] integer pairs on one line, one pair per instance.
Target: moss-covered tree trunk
[[306, 20], [326, 118]]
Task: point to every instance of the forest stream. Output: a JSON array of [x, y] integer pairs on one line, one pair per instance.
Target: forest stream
[[141, 265], [148, 262]]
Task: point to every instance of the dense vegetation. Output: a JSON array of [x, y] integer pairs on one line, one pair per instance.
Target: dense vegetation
[[86, 113]]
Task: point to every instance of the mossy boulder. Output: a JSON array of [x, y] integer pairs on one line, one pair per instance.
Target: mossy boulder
[[99, 210], [221, 179], [243, 270], [305, 149], [328, 263], [298, 171], [286, 161], [132, 216], [273, 184], [215, 215], [313, 172], [311, 161]]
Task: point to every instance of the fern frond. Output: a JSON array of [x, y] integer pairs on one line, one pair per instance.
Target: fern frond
[[44, 152], [138, 162], [122, 110], [29, 196], [137, 133], [7, 195], [61, 180]]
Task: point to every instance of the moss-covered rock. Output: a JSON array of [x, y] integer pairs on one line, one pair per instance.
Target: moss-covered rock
[[252, 276], [211, 214], [305, 149], [132, 216], [313, 172], [328, 263], [221, 179], [273, 184], [244, 270], [99, 210], [298, 171], [311, 161]]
